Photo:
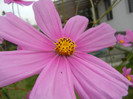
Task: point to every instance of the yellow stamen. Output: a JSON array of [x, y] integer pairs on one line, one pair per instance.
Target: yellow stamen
[[129, 78], [65, 46], [121, 41]]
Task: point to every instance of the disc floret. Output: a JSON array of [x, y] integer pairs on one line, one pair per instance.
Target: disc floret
[[65, 46]]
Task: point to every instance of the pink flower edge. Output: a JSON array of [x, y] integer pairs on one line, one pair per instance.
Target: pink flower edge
[[121, 39], [59, 75], [20, 2], [126, 73]]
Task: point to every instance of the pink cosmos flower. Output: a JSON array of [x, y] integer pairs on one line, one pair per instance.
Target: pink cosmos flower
[[64, 65], [21, 2], [121, 39], [126, 73], [129, 35]]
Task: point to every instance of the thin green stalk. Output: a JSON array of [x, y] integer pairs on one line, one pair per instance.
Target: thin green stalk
[[109, 9], [121, 65], [1, 48], [13, 8], [5, 45], [63, 11], [18, 11], [129, 56], [122, 49], [111, 60], [55, 4], [93, 11], [117, 3], [77, 7], [4, 91]]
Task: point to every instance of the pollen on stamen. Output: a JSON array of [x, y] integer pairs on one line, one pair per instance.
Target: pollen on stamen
[[121, 41], [129, 78], [65, 46]]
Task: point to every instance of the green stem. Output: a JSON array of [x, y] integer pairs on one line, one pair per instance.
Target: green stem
[[55, 4], [121, 65], [18, 11], [93, 11], [111, 60], [117, 3], [122, 49], [1, 48], [109, 9], [129, 56], [77, 7], [5, 45], [13, 8], [63, 11], [5, 93]]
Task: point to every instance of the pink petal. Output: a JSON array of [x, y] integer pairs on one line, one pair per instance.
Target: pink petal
[[22, 34], [96, 78], [8, 1], [131, 76], [18, 65], [129, 35], [48, 19], [126, 71], [54, 82], [96, 38], [124, 39], [75, 26], [127, 44], [120, 37], [19, 48], [26, 3]]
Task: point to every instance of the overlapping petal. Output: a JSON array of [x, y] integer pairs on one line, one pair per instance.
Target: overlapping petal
[[125, 41], [96, 38], [75, 26], [21, 2], [22, 34], [129, 35], [96, 79], [54, 82], [60, 75], [8, 1], [126, 71], [48, 19], [26, 3], [18, 65]]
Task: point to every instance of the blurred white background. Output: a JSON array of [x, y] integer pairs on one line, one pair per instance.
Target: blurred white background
[[26, 12]]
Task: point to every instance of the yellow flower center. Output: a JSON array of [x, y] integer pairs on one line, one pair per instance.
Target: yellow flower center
[[65, 46], [121, 41], [129, 78]]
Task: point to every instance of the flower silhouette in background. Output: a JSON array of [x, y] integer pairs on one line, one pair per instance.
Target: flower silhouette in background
[[62, 62], [129, 35], [121, 39], [21, 2], [126, 73]]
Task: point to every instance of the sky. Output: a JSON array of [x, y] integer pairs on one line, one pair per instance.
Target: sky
[[26, 12]]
